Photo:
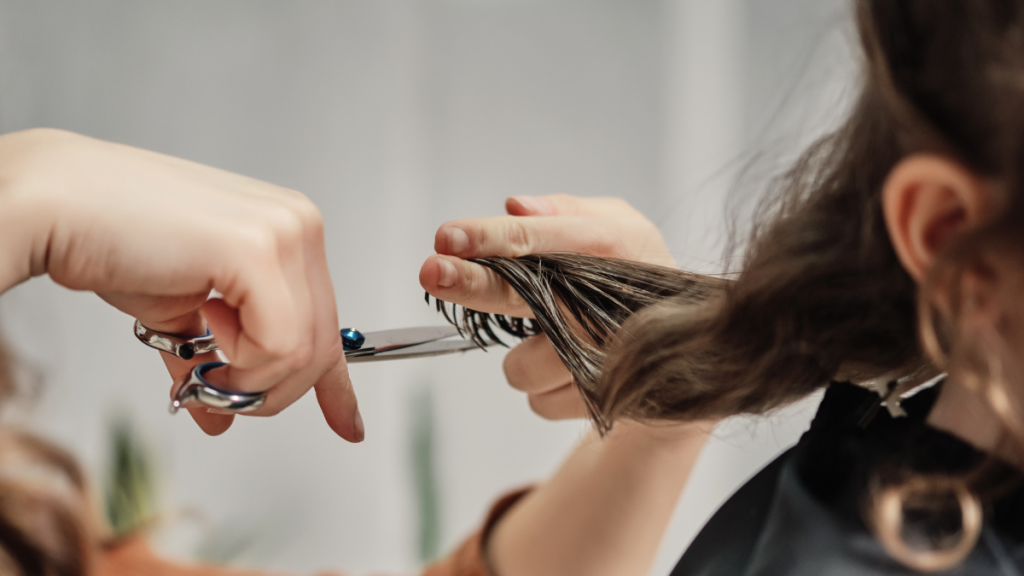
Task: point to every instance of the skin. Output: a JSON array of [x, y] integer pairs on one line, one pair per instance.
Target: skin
[[930, 203], [123, 223], [560, 223], [605, 510], [83, 211], [152, 235]]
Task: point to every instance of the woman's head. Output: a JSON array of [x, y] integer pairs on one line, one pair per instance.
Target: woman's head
[[916, 198], [893, 248], [865, 245]]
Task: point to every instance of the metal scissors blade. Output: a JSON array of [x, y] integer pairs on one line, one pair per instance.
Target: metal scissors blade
[[419, 350], [359, 347], [386, 340]]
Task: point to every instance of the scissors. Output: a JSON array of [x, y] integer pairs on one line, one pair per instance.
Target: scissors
[[359, 347]]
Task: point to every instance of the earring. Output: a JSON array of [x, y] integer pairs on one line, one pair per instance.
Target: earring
[[889, 515]]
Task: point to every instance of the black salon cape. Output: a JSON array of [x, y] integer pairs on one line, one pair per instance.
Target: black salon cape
[[802, 514]]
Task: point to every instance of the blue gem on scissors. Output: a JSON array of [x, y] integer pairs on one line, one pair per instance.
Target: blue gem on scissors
[[352, 339]]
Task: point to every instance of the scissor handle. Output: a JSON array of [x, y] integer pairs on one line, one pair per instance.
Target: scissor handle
[[184, 348], [195, 388], [385, 345], [188, 348]]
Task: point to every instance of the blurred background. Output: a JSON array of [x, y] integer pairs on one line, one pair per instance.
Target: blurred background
[[395, 116]]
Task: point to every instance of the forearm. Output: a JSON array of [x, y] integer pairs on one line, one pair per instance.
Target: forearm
[[604, 512], [24, 214]]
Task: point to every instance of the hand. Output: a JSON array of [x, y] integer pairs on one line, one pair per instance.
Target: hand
[[598, 226], [153, 235]]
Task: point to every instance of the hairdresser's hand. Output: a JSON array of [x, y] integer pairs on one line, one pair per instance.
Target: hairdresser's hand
[[152, 235], [598, 226]]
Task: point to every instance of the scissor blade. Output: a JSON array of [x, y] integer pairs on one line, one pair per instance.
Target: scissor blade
[[436, 348], [384, 340]]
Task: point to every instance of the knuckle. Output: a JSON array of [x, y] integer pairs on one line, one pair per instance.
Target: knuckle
[[300, 358], [287, 225], [309, 215], [510, 299], [519, 237], [258, 242]]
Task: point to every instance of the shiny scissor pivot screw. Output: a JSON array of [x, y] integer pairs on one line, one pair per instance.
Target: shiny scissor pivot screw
[[352, 339]]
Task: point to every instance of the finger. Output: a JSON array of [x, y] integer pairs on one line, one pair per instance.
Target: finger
[[513, 236], [319, 364], [564, 403], [534, 367], [211, 424], [169, 314], [337, 399], [334, 391], [289, 378], [226, 326], [224, 323], [566, 205], [267, 311], [471, 285]]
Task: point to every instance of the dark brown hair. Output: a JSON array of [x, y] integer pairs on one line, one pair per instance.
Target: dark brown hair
[[821, 294]]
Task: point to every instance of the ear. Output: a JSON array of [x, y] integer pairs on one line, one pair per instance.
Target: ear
[[928, 200]]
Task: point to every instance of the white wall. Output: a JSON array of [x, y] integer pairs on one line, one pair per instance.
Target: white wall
[[394, 116]]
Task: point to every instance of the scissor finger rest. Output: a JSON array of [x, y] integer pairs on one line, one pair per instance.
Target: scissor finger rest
[[195, 388]]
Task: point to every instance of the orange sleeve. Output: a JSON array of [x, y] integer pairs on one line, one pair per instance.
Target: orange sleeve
[[468, 559]]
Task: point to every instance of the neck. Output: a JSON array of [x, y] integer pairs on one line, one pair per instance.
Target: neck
[[965, 414]]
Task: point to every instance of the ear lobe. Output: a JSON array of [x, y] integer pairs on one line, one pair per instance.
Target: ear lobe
[[929, 200]]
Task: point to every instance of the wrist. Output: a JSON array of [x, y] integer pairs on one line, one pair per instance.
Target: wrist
[[26, 212]]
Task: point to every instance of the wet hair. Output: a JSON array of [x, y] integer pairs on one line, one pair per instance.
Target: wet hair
[[821, 295], [581, 303]]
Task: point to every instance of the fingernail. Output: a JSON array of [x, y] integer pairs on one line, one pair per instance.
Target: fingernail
[[449, 275], [357, 423], [219, 411], [458, 240], [537, 206]]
